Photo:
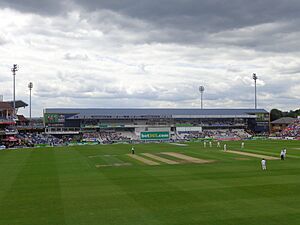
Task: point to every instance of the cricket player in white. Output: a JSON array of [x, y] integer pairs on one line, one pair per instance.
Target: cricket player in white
[[132, 150], [242, 145], [218, 145], [210, 144], [284, 153], [204, 144], [263, 164], [225, 147]]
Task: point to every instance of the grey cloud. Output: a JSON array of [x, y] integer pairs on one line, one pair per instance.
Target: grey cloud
[[211, 23], [153, 53], [91, 90], [48, 7], [204, 14], [80, 57], [3, 39]]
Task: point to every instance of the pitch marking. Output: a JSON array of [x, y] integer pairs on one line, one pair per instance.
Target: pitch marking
[[114, 164], [186, 158], [161, 159], [143, 160], [178, 144], [253, 155]]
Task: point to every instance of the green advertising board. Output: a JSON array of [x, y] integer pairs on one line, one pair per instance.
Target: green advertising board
[[183, 125], [51, 118], [54, 118], [155, 135]]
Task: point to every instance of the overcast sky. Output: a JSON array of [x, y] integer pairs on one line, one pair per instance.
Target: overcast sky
[[141, 53]]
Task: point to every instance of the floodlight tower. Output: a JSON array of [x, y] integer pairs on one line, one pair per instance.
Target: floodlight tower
[[30, 86], [14, 69], [201, 89], [255, 98]]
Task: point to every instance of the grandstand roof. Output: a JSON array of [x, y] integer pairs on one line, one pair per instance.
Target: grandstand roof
[[22, 118], [5, 106], [284, 120], [85, 113], [19, 104]]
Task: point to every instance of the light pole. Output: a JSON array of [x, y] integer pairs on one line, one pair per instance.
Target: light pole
[[14, 69], [255, 98], [201, 89], [30, 86]]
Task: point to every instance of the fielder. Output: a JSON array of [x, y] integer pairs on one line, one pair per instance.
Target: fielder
[[204, 144], [132, 150], [210, 144], [282, 155], [218, 145], [242, 145], [264, 164], [225, 148]]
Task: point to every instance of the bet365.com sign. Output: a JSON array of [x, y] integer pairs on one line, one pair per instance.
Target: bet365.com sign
[[155, 135]]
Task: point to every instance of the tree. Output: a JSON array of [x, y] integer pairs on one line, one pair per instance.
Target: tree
[[275, 114]]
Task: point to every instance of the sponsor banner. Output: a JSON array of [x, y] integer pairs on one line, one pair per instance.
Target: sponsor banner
[[7, 122], [183, 125], [228, 139], [189, 129], [90, 127], [104, 126], [112, 125], [54, 118], [90, 139], [259, 138], [155, 135]]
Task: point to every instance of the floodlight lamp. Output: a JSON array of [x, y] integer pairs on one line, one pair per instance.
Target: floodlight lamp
[[255, 76], [15, 68], [201, 89], [30, 85]]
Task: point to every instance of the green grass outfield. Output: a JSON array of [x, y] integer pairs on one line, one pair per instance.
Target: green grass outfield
[[63, 185]]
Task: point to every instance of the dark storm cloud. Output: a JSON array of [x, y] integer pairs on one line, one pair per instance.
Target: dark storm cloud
[[269, 25], [195, 15], [48, 7], [207, 15], [212, 23], [153, 52]]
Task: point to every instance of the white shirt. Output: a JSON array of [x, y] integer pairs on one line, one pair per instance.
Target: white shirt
[[263, 162]]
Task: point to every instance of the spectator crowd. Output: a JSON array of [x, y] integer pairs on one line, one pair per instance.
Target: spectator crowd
[[293, 130]]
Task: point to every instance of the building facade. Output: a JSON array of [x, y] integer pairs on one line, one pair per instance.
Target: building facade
[[142, 120]]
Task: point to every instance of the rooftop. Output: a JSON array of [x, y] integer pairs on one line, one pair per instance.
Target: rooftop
[[284, 120], [80, 113]]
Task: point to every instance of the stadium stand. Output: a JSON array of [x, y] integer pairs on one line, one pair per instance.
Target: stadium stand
[[281, 124], [62, 126], [111, 125], [37, 139], [292, 130]]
